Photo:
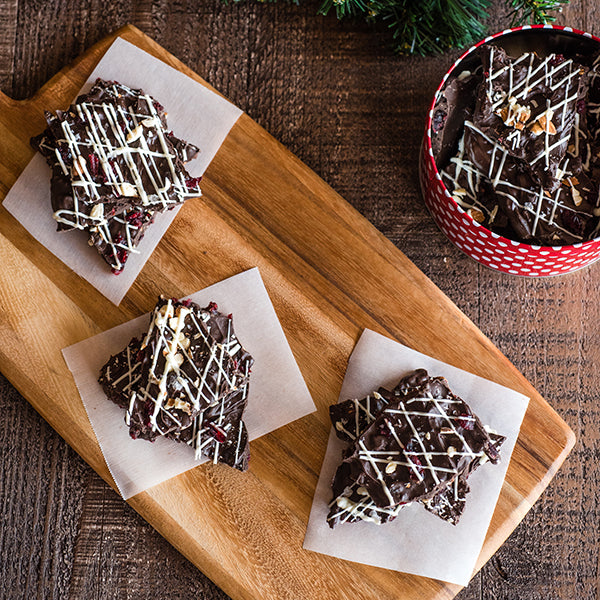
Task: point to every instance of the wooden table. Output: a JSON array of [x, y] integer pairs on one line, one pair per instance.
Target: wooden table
[[354, 113]]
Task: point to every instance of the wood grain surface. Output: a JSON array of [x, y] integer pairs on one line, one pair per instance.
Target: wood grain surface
[[354, 113]]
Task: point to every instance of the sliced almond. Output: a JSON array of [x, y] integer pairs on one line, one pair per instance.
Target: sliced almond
[[97, 211], [544, 124], [514, 114], [135, 134], [79, 165], [391, 467], [577, 199], [493, 213], [477, 215]]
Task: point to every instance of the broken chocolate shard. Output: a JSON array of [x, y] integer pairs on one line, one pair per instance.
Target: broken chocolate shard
[[112, 157], [186, 379]]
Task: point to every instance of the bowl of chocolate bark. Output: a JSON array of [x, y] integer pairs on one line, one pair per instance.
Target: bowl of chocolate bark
[[510, 162]]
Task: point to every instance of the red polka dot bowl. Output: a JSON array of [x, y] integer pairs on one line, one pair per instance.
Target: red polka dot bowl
[[478, 242]]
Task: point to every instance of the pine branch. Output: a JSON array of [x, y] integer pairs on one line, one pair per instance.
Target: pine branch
[[535, 11], [433, 26], [420, 26]]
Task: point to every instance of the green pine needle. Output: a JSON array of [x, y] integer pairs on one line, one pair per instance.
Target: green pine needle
[[433, 26], [535, 11]]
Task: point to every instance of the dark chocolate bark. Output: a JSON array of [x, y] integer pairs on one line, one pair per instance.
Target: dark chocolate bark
[[500, 192], [353, 498], [526, 165], [454, 107], [191, 359], [528, 106], [418, 444], [112, 157], [187, 380], [120, 376]]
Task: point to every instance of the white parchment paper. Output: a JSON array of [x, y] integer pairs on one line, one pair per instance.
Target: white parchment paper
[[277, 395], [195, 114], [418, 542]]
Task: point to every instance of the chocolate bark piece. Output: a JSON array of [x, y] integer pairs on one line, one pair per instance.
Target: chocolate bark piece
[[113, 143], [191, 359], [351, 417], [528, 105], [449, 504], [497, 189], [418, 445], [351, 501], [112, 156], [454, 106], [216, 432], [593, 100], [121, 374], [219, 433]]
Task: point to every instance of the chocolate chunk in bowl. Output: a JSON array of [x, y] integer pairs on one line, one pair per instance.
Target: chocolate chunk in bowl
[[516, 187]]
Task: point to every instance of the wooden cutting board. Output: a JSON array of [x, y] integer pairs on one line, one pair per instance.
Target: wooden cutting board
[[329, 273]]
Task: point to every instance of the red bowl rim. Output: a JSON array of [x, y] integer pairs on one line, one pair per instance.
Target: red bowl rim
[[429, 147]]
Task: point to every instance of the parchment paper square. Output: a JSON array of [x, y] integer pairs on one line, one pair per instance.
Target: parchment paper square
[[277, 394], [195, 114], [418, 542]]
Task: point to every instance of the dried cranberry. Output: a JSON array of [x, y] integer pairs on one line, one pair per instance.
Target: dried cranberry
[[193, 183], [158, 106], [118, 238], [383, 430], [439, 118], [230, 316], [466, 423], [94, 164], [419, 467], [122, 255], [65, 154], [218, 433], [557, 59], [235, 364], [139, 357], [134, 434], [187, 302], [581, 106], [116, 271], [212, 306]]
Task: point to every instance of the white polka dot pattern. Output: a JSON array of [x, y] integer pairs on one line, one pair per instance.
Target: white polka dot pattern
[[486, 247]]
